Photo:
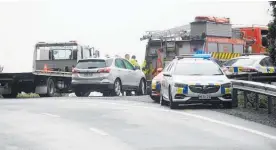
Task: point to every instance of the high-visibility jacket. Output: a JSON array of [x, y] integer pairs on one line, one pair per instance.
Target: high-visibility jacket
[[144, 68], [134, 63]]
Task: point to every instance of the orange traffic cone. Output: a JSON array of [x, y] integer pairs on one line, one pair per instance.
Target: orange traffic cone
[[45, 69]]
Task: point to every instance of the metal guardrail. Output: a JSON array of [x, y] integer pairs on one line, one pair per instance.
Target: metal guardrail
[[255, 87]]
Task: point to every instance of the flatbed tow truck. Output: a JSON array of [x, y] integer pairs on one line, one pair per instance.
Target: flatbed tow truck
[[52, 70]]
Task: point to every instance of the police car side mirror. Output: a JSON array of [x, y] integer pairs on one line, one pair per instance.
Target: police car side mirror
[[166, 74]]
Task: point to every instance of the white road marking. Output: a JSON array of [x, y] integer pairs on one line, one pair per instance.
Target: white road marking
[[98, 131], [266, 135], [51, 115]]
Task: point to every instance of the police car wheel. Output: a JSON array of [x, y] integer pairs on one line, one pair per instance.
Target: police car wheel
[[155, 98], [171, 103], [162, 102]]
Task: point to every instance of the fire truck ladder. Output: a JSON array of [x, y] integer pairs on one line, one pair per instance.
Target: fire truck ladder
[[168, 34]]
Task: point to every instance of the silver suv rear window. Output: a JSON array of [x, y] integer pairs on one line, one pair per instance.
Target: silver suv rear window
[[94, 63]]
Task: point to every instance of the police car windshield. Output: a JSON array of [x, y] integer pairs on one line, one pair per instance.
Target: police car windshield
[[240, 62], [197, 68]]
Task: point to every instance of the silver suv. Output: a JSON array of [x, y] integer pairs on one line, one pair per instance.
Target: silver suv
[[110, 76]]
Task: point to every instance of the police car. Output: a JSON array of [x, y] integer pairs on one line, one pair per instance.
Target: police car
[[195, 80], [249, 64]]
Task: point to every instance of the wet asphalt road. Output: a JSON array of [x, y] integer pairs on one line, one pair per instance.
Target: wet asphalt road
[[123, 123]]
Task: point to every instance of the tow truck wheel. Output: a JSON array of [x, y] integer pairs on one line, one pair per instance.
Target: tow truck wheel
[[50, 89], [14, 95]]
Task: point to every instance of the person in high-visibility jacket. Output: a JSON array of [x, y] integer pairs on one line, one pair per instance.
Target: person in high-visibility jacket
[[127, 56], [144, 67], [133, 61]]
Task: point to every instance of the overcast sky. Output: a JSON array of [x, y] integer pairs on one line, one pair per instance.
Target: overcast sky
[[112, 26]]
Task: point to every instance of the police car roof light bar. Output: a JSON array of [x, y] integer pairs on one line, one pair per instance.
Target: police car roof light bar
[[204, 56], [184, 56]]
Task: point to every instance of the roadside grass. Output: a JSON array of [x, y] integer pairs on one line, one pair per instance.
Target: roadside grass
[[27, 95]]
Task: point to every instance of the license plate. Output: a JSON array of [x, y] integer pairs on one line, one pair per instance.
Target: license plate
[[204, 97], [88, 74]]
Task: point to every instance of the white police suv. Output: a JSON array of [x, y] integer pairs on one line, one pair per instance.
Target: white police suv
[[195, 79]]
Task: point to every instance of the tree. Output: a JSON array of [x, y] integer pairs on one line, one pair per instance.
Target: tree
[[272, 33]]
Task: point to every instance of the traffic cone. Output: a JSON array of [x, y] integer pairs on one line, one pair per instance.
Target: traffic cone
[[45, 69]]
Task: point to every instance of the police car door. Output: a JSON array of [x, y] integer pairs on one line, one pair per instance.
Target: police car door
[[166, 80]]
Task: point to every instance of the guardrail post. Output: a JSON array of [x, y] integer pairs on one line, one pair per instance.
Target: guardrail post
[[235, 98], [269, 104], [244, 99], [257, 101]]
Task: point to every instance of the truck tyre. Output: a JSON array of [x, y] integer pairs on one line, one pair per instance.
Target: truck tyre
[[50, 89], [13, 95]]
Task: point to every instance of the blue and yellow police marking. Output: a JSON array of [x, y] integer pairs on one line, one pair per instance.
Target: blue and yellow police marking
[[225, 90], [270, 70], [179, 91], [235, 69], [153, 86], [158, 86], [183, 90]]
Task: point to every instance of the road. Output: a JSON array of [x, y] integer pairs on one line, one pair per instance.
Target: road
[[124, 124]]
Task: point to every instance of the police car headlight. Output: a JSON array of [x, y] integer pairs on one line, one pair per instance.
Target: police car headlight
[[226, 85], [179, 85]]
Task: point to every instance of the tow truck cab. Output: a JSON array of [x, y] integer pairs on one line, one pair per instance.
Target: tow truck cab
[[60, 56]]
